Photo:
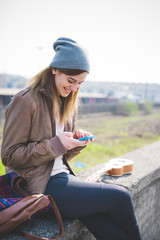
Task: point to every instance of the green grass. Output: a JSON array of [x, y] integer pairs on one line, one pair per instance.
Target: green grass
[[115, 136], [2, 170]]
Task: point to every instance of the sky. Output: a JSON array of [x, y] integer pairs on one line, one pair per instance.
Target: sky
[[121, 37]]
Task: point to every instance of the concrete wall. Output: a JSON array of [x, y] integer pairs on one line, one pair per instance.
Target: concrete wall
[[144, 186]]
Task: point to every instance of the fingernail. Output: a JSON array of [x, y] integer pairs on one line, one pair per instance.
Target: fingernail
[[81, 136], [86, 141]]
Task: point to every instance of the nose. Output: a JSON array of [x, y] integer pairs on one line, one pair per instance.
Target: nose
[[74, 87]]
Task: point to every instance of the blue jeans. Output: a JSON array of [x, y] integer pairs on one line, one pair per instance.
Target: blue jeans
[[105, 209]]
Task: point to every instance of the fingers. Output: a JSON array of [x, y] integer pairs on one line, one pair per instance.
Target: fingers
[[80, 134], [69, 142], [68, 134], [78, 143]]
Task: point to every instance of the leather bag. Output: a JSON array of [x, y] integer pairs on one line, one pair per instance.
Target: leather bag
[[17, 206]]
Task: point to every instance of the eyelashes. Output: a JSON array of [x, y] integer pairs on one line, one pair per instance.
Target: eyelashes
[[70, 81], [73, 82]]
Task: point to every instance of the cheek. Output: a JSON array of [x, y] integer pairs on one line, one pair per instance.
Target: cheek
[[58, 85], [58, 82], [61, 83], [61, 87]]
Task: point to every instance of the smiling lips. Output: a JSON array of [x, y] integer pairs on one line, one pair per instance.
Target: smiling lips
[[67, 90]]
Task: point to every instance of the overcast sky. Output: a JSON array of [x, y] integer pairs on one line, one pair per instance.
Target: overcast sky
[[122, 37]]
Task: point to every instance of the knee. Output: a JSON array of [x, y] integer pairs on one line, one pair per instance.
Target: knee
[[124, 196], [117, 195]]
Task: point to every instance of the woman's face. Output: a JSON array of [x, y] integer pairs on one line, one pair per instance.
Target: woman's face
[[65, 84]]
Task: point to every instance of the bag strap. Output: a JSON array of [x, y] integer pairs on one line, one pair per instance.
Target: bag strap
[[18, 184], [59, 220]]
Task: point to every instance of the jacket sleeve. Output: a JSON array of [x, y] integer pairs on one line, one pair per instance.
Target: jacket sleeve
[[75, 151], [17, 151]]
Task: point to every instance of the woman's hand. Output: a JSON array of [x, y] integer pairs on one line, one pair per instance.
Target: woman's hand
[[80, 134], [69, 142]]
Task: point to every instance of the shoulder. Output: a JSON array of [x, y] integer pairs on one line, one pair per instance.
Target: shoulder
[[27, 95], [23, 99], [24, 91]]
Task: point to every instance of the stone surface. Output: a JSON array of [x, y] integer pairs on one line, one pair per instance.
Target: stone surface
[[144, 186]]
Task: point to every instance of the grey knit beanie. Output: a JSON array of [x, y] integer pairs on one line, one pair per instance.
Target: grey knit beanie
[[69, 55]]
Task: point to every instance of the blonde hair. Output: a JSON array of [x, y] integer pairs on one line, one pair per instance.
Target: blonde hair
[[63, 107]]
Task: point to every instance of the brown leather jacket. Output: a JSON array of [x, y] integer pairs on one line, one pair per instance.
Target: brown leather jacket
[[29, 143]]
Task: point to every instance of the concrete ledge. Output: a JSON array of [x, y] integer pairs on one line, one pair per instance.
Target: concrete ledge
[[144, 186]]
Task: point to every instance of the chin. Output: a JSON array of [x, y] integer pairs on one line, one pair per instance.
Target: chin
[[65, 94]]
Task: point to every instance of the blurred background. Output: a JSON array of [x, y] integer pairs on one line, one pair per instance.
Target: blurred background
[[120, 100]]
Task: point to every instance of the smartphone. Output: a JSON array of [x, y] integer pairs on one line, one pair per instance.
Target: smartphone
[[85, 138]]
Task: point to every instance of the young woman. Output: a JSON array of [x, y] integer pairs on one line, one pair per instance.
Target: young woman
[[40, 138]]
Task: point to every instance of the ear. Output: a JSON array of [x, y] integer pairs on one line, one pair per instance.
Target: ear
[[54, 70]]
